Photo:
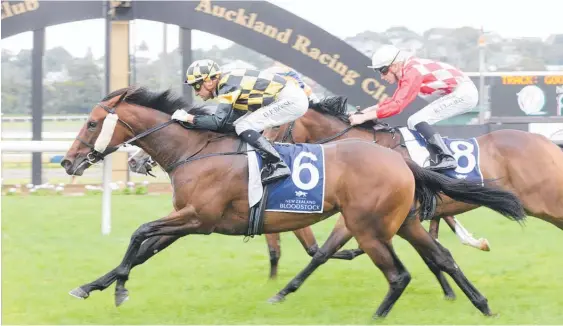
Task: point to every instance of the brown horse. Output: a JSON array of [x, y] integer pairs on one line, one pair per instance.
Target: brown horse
[[526, 163], [208, 167]]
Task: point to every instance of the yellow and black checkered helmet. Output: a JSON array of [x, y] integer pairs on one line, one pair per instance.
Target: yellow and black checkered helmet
[[200, 70]]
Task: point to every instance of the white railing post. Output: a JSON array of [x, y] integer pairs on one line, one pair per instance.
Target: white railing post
[[106, 196], [8, 146]]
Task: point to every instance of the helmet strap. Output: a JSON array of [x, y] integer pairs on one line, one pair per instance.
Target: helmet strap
[[400, 64]]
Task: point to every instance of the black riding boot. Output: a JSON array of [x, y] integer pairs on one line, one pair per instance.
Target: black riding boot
[[437, 148], [274, 168]]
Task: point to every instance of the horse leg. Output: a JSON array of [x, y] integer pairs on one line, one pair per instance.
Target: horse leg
[[465, 237], [446, 288], [178, 223], [338, 237], [307, 239], [417, 236], [304, 235], [434, 227], [384, 257], [348, 254], [341, 232], [274, 248], [148, 249]]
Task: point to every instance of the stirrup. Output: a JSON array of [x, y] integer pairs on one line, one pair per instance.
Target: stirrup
[[445, 163], [270, 173]]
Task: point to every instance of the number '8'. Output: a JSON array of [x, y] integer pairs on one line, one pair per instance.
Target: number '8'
[[467, 152]]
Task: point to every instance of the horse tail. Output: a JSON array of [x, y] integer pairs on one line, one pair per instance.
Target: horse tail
[[429, 183]]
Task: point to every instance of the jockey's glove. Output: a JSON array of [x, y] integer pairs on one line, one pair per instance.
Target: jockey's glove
[[180, 115]]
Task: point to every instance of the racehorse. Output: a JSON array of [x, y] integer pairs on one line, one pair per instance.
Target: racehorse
[[208, 170], [528, 164]]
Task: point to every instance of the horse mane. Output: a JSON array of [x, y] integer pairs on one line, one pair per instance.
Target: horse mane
[[164, 101], [336, 106]]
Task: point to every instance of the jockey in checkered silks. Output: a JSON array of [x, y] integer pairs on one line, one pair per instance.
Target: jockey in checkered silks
[[449, 91], [251, 101], [294, 77]]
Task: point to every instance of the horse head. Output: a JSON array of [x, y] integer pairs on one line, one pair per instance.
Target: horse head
[[130, 116], [98, 136]]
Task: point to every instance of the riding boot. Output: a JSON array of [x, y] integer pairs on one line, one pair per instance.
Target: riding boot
[[274, 168], [437, 148]]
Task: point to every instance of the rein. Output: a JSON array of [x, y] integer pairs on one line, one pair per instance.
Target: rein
[[95, 155], [378, 127]]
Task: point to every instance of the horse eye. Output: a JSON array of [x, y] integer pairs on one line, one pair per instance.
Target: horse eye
[[92, 125]]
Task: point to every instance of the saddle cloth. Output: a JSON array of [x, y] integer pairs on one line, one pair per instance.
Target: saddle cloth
[[303, 191], [465, 151]]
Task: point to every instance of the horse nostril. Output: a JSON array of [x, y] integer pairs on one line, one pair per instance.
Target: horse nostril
[[66, 164]]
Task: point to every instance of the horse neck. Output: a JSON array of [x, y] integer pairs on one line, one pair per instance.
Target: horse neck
[[321, 126], [169, 144]]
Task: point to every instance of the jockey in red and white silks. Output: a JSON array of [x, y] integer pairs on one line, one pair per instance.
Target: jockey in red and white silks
[[449, 91]]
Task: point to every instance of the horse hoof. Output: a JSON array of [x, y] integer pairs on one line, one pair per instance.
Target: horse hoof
[[377, 317], [492, 315], [121, 296], [79, 293], [484, 244], [450, 297], [276, 299]]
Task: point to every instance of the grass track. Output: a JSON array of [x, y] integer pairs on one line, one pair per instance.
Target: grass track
[[53, 244]]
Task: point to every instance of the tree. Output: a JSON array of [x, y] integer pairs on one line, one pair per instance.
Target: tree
[[55, 59]]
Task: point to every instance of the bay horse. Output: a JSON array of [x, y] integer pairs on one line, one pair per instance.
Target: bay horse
[[209, 173], [525, 163]]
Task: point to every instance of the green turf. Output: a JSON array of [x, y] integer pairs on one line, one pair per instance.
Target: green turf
[[134, 177], [53, 244]]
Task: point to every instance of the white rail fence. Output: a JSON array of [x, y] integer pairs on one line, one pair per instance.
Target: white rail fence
[[28, 118], [28, 135], [63, 146]]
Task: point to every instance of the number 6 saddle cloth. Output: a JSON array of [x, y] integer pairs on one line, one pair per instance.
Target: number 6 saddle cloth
[[465, 151], [303, 191]]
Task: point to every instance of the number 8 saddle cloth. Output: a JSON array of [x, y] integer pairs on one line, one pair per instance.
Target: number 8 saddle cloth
[[466, 153]]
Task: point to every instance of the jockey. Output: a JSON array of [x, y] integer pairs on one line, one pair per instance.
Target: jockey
[[292, 76], [256, 99], [449, 91]]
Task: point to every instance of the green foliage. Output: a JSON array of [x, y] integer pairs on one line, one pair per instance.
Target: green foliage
[[127, 191], [141, 190], [135, 190], [11, 193]]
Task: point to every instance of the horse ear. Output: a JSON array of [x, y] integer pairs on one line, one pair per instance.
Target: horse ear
[[121, 98], [343, 103]]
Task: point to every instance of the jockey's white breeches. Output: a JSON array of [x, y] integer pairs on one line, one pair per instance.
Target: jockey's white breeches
[[291, 104], [464, 98]]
